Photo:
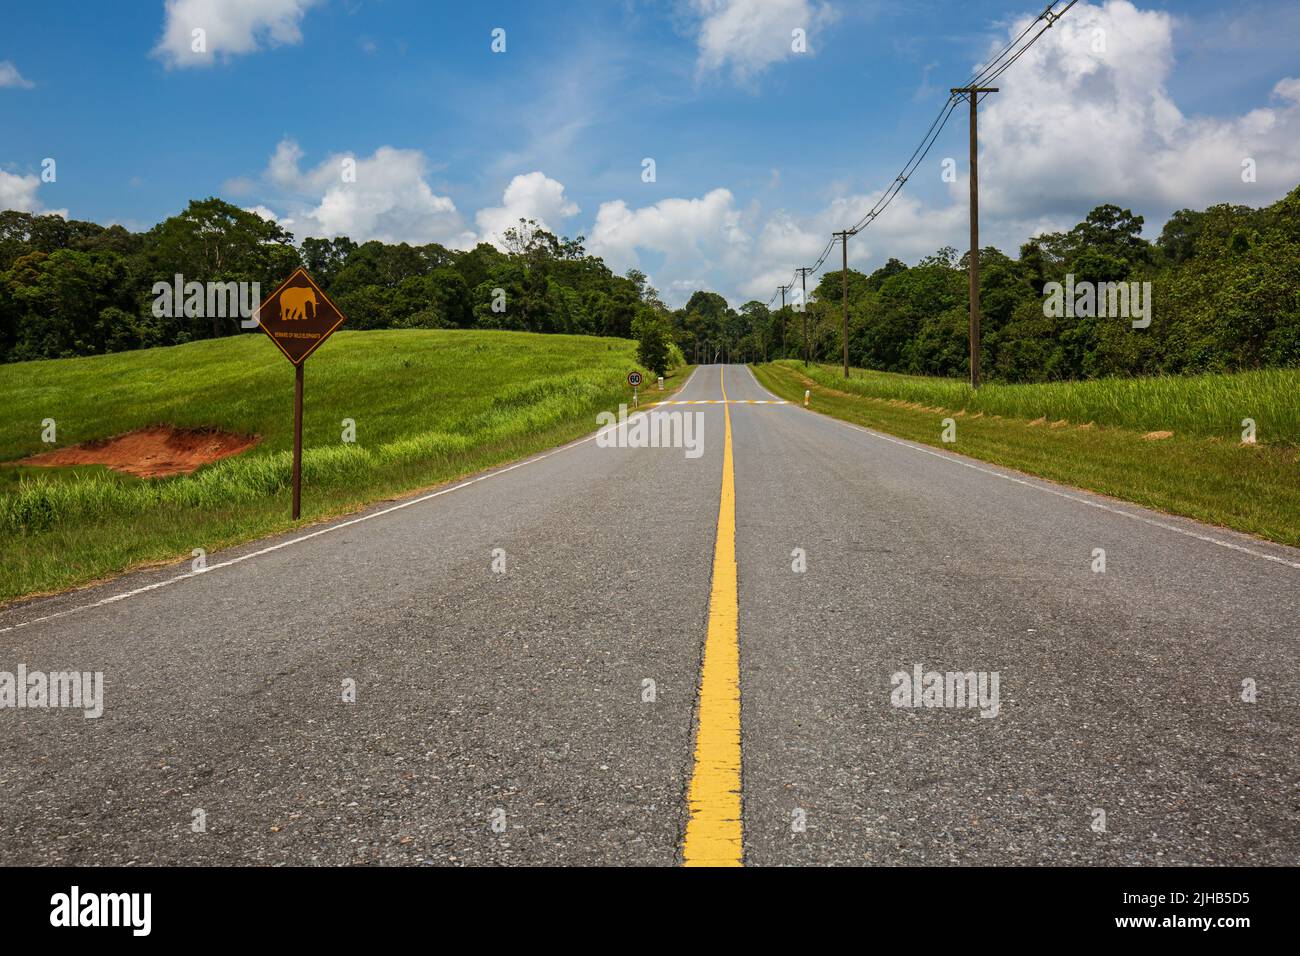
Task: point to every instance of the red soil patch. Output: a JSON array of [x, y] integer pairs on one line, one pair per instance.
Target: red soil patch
[[154, 452]]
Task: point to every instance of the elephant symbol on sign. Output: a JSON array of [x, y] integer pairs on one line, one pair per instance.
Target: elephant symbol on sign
[[294, 302]]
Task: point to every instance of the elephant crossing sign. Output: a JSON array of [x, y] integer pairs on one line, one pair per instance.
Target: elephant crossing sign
[[298, 317]]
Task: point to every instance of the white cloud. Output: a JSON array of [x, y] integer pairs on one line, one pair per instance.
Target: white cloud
[[384, 196], [908, 231], [674, 227], [531, 196], [282, 169], [9, 76], [267, 214], [387, 196], [751, 35], [1075, 125], [231, 28], [1086, 117], [1288, 89], [19, 193], [706, 237], [710, 243]]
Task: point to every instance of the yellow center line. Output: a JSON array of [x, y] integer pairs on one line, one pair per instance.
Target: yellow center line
[[713, 832]]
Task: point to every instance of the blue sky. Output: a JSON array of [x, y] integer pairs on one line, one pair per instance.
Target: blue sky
[[759, 151]]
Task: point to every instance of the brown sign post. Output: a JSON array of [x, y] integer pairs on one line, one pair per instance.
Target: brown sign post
[[298, 317]]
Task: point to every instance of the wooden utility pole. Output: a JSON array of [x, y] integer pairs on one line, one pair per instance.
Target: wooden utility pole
[[297, 441], [844, 241], [972, 94], [803, 307], [784, 289]]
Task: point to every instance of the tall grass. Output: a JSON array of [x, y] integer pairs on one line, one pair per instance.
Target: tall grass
[[421, 400], [1252, 488], [1196, 405]]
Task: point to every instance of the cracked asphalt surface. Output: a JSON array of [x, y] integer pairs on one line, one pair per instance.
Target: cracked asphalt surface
[[500, 718]]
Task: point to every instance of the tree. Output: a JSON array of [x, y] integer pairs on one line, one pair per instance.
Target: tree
[[654, 340], [703, 324], [72, 303], [324, 258], [213, 241], [758, 332], [450, 298], [1108, 229], [1224, 281]]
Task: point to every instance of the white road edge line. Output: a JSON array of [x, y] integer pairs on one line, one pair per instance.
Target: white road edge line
[[944, 456], [321, 531]]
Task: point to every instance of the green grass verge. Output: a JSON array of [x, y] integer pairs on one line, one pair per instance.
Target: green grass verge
[[1207, 406], [1215, 478], [430, 406]]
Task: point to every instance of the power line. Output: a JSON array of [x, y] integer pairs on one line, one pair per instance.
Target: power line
[[978, 78], [1051, 20], [991, 70], [918, 157]]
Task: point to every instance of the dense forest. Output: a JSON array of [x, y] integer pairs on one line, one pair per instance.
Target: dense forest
[[75, 288], [1225, 284]]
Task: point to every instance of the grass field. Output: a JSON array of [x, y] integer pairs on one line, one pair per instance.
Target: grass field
[[1201, 405], [1092, 434], [429, 406]]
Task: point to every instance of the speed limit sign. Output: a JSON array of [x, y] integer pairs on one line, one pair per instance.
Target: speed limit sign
[[634, 379]]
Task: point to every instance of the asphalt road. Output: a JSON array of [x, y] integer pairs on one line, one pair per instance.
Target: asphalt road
[[504, 717]]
